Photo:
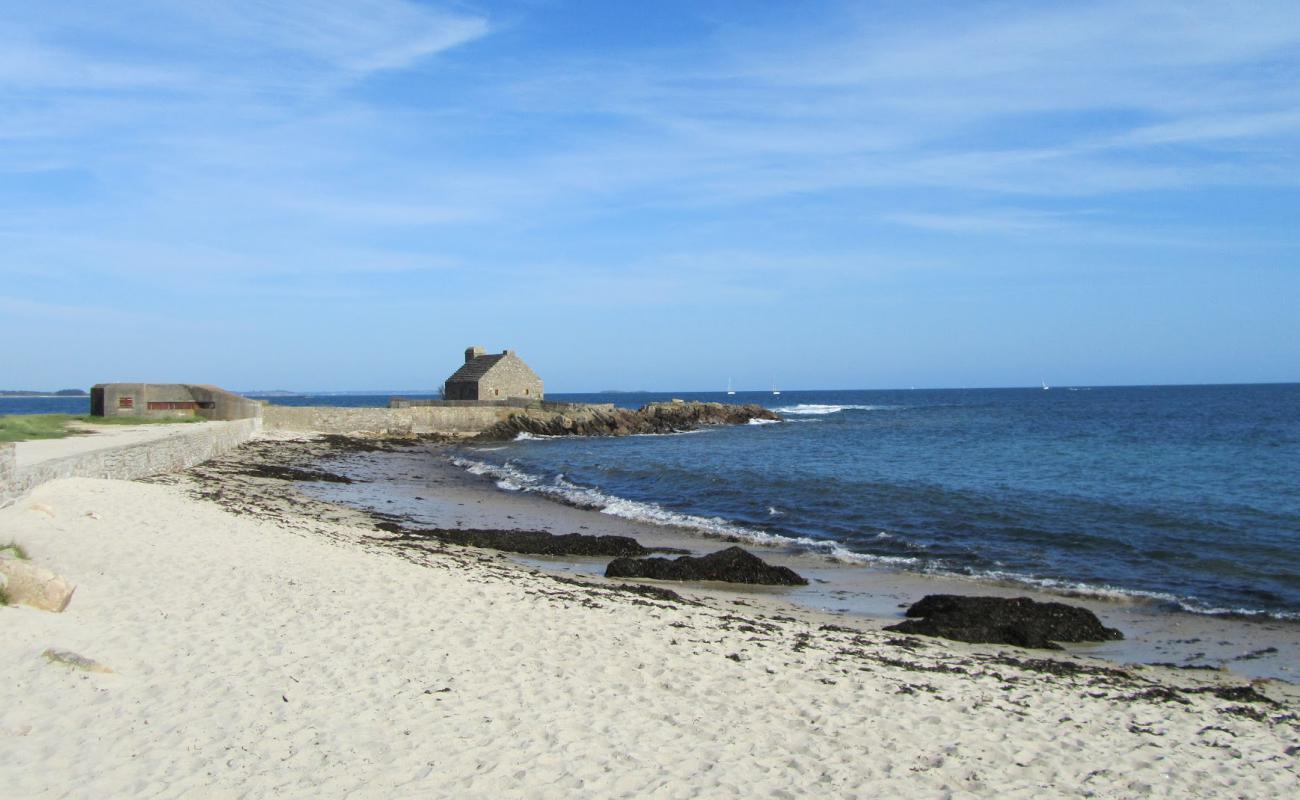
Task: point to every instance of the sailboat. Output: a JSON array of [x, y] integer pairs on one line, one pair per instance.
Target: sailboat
[[1045, 386], [774, 389], [729, 389]]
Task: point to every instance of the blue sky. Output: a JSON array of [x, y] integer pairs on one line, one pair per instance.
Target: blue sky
[[334, 195]]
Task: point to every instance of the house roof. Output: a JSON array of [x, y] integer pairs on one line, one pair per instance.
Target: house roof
[[475, 369]]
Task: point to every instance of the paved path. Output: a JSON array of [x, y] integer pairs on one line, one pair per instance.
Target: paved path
[[99, 437]]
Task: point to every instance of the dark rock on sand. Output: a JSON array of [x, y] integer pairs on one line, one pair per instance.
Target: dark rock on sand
[[1003, 620], [732, 565], [653, 418], [530, 542]]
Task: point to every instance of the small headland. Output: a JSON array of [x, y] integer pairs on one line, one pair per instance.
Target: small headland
[[671, 417]]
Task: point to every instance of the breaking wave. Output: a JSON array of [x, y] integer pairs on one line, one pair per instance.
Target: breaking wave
[[511, 478], [819, 409]]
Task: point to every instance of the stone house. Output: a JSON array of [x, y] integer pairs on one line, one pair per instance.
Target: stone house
[[499, 376], [154, 400]]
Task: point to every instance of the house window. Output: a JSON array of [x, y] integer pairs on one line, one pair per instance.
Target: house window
[[496, 392], [526, 391], [126, 401]]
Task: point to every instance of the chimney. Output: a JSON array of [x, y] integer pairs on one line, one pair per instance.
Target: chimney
[[472, 353], [507, 352]]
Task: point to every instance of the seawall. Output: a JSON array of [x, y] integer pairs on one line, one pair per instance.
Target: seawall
[[126, 462], [466, 420]]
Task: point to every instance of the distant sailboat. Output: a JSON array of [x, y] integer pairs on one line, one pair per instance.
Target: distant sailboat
[[1045, 386], [729, 389], [774, 389]]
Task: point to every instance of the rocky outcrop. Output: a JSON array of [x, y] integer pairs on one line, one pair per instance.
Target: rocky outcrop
[[732, 565], [653, 418], [1003, 620]]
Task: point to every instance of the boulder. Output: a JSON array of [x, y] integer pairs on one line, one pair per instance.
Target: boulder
[[1003, 620], [732, 565], [30, 585]]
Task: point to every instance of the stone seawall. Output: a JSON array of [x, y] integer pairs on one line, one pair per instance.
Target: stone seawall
[[468, 420], [8, 463], [126, 462]]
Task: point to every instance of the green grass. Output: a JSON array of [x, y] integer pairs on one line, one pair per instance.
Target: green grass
[[25, 427], [18, 552], [22, 427]]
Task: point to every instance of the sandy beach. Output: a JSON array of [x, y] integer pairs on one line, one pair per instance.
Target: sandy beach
[[263, 643]]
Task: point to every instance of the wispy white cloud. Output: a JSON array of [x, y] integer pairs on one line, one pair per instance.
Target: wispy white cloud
[[248, 138], [220, 43], [1083, 227]]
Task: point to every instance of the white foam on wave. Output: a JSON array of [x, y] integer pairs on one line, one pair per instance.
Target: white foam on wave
[[511, 478], [1113, 593], [757, 421], [820, 409], [508, 476], [525, 436]]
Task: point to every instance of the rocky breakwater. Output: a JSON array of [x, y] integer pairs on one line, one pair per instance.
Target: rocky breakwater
[[671, 417]]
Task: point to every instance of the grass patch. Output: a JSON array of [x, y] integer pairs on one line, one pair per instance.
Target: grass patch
[[26, 427], [18, 552], [23, 427]]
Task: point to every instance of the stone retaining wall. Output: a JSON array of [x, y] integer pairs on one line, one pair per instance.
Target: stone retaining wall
[[127, 462], [8, 463], [459, 420]]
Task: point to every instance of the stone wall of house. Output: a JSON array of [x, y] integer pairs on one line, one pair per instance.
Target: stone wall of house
[[510, 377], [127, 462]]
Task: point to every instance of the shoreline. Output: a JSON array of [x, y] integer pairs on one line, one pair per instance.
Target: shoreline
[[401, 483], [262, 641]]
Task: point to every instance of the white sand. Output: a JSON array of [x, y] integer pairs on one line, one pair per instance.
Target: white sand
[[255, 659]]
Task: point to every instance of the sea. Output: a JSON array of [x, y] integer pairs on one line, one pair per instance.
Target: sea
[[1186, 496]]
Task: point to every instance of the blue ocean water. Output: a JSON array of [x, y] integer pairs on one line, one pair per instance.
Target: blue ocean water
[[1189, 495], [44, 405]]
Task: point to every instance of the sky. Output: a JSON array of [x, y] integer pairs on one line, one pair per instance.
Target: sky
[[814, 195]]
